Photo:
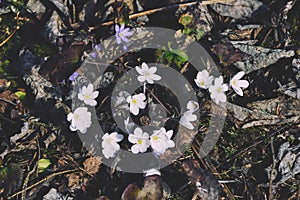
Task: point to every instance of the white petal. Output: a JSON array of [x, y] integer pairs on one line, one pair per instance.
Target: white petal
[[80, 96], [222, 97], [90, 88], [90, 102], [144, 67], [73, 128], [238, 90], [169, 134], [224, 87], [243, 83], [139, 70], [138, 132], [140, 96], [149, 80], [192, 106], [152, 70], [219, 81], [128, 99], [132, 139], [171, 144], [135, 149], [70, 116], [141, 79], [95, 94], [155, 77], [239, 75], [134, 110]]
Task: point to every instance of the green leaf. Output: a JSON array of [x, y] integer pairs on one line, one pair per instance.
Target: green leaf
[[20, 94], [185, 19], [43, 164]]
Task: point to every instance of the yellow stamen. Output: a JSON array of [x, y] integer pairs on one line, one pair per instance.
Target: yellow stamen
[[155, 138], [134, 101], [140, 141]]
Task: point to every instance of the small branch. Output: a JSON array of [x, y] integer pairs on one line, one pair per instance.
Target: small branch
[[7, 101], [155, 10], [155, 97], [14, 31], [43, 180]]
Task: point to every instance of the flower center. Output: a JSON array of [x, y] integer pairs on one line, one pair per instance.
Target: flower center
[[202, 83], [155, 138], [76, 117], [134, 101], [120, 34], [233, 82], [219, 90], [108, 140], [87, 96], [140, 141], [147, 74]]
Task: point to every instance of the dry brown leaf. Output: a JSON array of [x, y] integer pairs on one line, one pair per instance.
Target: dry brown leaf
[[92, 164]]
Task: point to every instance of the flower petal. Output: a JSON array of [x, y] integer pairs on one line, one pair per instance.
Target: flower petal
[[134, 110], [141, 79], [243, 83], [139, 70], [238, 90], [239, 75], [135, 149], [117, 28]]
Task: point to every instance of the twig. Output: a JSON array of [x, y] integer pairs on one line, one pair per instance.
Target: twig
[[43, 180], [155, 10], [155, 97], [12, 33], [7, 101]]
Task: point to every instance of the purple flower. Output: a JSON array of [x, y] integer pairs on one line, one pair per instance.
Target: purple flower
[[94, 54], [73, 76], [97, 46], [122, 33]]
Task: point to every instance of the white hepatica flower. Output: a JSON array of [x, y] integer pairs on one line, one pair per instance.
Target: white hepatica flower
[[136, 103], [140, 140], [88, 95], [203, 80], [238, 84], [187, 118], [147, 74], [80, 119], [110, 144], [217, 90], [192, 106], [161, 140]]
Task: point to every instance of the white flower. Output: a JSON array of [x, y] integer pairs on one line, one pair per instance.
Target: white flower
[[238, 84], [192, 106], [136, 103], [161, 140], [80, 119], [140, 140], [88, 95], [187, 118], [147, 74], [217, 90], [128, 125], [203, 80], [110, 144]]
